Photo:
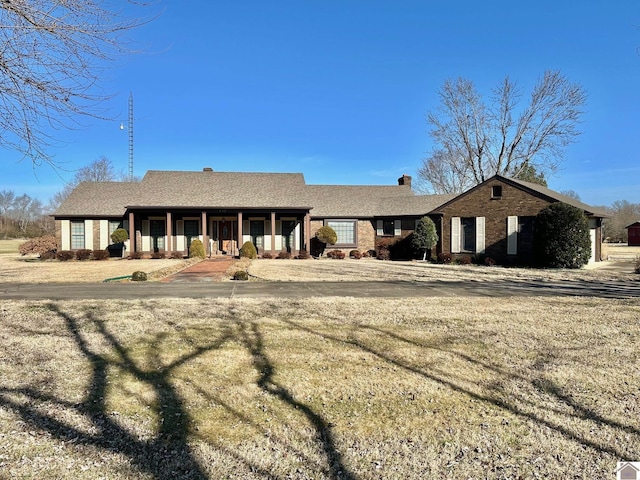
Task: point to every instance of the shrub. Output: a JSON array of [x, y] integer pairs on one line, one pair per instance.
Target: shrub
[[39, 246], [177, 255], [327, 235], [83, 254], [100, 254], [241, 275], [119, 235], [336, 254], [383, 249], [464, 260], [370, 253], [158, 255], [248, 250], [48, 255], [65, 255], [135, 255], [139, 276], [355, 254], [425, 237], [196, 249], [303, 255], [284, 255], [562, 238], [444, 258], [267, 255], [489, 262]]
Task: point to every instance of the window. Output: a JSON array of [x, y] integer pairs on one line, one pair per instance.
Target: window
[[467, 235], [77, 235], [389, 228], [256, 230], [496, 191], [346, 231]]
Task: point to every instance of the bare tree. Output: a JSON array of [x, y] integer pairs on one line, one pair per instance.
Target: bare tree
[[52, 56], [474, 141], [100, 170], [623, 214]]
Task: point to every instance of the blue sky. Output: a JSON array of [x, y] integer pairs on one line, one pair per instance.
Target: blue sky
[[339, 89]]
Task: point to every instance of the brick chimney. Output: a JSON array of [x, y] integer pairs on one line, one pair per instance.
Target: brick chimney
[[405, 180]]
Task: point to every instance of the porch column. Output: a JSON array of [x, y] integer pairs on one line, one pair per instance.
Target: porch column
[[132, 232], [205, 237], [307, 232], [273, 232], [239, 231], [169, 245]]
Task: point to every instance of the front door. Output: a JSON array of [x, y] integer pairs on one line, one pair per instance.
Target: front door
[[226, 236], [157, 231]]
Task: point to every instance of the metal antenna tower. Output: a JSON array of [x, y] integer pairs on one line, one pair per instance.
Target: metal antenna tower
[[131, 136]]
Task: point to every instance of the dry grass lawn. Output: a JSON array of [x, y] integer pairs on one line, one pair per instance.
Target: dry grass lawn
[[320, 388]]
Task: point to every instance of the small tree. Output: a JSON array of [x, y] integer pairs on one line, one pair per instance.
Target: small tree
[[196, 249], [425, 236], [562, 238], [119, 235]]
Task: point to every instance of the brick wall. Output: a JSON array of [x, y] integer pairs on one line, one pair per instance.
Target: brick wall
[[59, 233]]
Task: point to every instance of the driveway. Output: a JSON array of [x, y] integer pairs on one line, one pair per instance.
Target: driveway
[[367, 289]]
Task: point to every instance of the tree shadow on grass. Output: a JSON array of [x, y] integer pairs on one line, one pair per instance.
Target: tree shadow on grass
[[168, 454], [521, 404]]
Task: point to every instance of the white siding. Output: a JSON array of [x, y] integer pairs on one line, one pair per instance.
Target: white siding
[[180, 235], [480, 235], [146, 239], [455, 234], [512, 235], [88, 234]]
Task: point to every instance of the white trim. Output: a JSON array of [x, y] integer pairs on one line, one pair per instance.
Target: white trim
[[104, 234], [180, 235], [455, 234], [88, 234], [512, 235], [65, 226], [480, 244]]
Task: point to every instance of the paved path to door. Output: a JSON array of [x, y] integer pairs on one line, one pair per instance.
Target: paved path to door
[[209, 270]]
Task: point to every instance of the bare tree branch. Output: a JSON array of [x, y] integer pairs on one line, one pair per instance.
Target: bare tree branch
[[474, 141], [53, 54]]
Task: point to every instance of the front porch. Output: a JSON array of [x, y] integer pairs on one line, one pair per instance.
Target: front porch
[[222, 232]]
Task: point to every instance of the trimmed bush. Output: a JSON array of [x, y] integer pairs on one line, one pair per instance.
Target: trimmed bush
[[303, 255], [464, 260], [119, 235], [135, 255], [383, 249], [267, 255], [327, 235], [196, 249], [248, 250], [48, 255], [355, 254], [336, 254], [489, 262], [284, 255], [139, 276], [177, 255], [65, 255], [39, 246], [100, 254], [562, 238], [83, 254], [158, 255], [241, 275]]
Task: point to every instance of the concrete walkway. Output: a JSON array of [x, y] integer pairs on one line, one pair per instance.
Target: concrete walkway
[[209, 270]]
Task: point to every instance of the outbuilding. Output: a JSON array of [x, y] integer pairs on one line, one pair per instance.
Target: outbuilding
[[633, 234]]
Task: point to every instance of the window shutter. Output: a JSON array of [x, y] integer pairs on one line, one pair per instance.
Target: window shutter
[[512, 235], [397, 228], [455, 234], [479, 234], [379, 228]]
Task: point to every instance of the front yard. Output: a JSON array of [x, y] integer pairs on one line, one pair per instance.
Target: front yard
[[320, 388]]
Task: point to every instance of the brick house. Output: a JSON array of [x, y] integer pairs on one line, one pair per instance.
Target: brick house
[[166, 210], [633, 234], [496, 217]]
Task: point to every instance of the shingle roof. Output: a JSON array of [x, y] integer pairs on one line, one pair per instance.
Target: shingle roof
[[221, 189], [98, 199], [589, 209]]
